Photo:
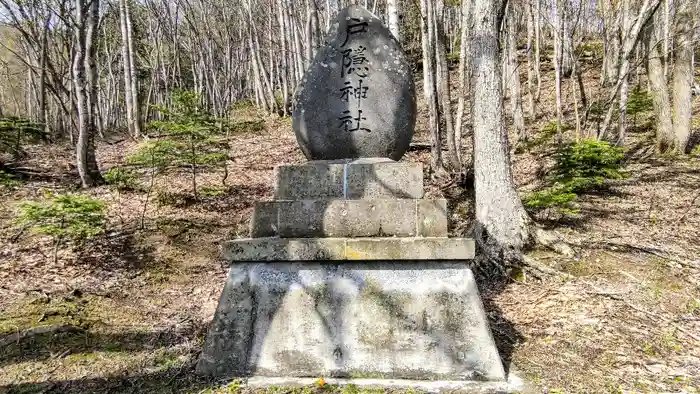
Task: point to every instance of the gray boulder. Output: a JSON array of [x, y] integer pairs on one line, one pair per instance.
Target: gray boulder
[[358, 98]]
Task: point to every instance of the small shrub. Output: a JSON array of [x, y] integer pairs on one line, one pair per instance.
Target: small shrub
[[545, 135], [588, 163], [598, 108], [64, 217], [594, 49], [123, 179], [158, 154], [191, 137], [580, 167], [558, 197], [8, 181]]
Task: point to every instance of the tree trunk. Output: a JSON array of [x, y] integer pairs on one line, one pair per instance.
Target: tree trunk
[[683, 75], [285, 56], [538, 42], [530, 61], [624, 76], [42, 75], [558, 57], [309, 37], [516, 101], [136, 110], [91, 64], [646, 10], [125, 67], [392, 10], [85, 149], [611, 42], [501, 228], [443, 85], [666, 35], [657, 81], [315, 29], [464, 67], [429, 88]]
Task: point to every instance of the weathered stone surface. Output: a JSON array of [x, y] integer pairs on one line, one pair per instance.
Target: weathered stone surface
[[409, 320], [284, 249], [357, 99], [309, 181], [357, 249], [384, 180], [350, 218], [409, 249], [264, 222], [432, 218], [352, 180]]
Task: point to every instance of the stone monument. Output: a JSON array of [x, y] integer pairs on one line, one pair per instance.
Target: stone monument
[[349, 272], [357, 99]]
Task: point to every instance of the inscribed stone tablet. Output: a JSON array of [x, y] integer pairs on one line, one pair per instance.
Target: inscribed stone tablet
[[358, 98]]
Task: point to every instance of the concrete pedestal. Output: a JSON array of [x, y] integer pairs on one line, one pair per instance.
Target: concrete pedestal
[[418, 320], [349, 274]]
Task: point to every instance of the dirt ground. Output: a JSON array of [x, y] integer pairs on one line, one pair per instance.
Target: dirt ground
[[127, 313]]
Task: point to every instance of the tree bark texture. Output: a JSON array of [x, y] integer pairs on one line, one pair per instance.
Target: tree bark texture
[[501, 228]]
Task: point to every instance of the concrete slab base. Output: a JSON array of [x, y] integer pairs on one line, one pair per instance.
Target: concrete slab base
[[420, 320], [514, 384]]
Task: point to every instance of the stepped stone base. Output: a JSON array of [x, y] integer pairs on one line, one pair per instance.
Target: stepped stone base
[[350, 218], [409, 320], [351, 249], [351, 180], [350, 274]]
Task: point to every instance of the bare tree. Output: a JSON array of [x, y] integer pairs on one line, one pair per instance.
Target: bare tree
[[646, 10], [464, 67], [392, 10], [442, 79], [429, 85], [86, 19], [502, 225], [683, 73], [516, 101], [657, 82], [558, 63]]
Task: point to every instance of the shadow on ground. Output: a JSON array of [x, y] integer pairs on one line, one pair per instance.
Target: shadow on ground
[[62, 340], [173, 380]]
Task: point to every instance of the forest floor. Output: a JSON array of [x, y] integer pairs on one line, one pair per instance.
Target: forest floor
[[128, 312]]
